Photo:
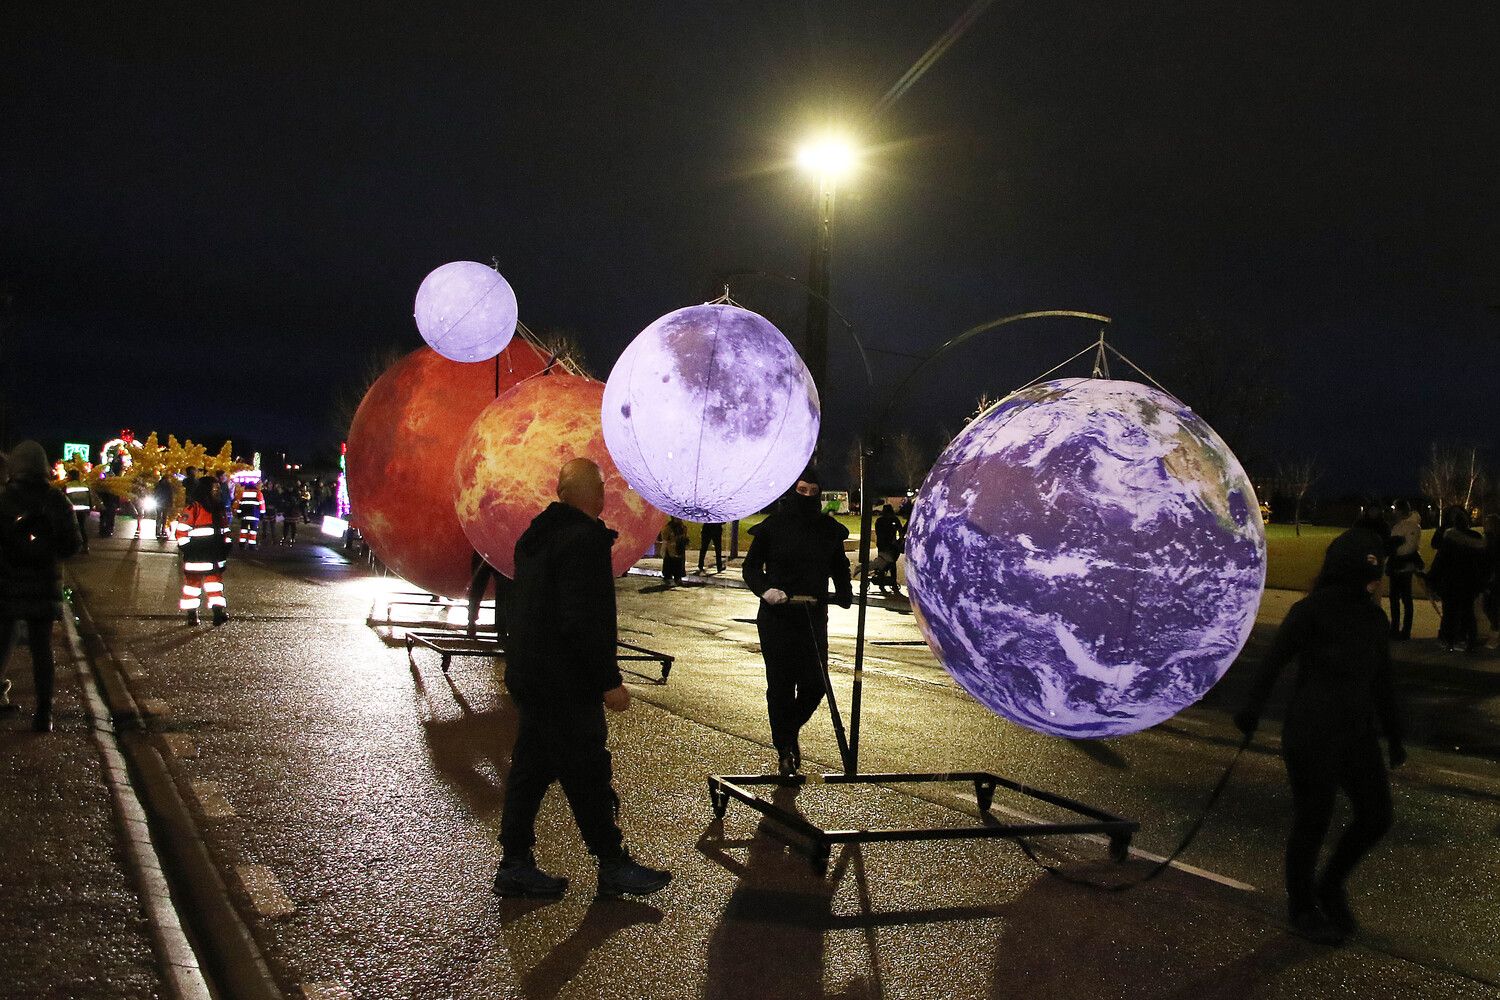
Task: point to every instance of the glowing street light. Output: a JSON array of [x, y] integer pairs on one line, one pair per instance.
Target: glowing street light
[[828, 158]]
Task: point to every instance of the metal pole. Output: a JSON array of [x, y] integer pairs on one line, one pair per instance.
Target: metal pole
[[851, 766], [819, 278]]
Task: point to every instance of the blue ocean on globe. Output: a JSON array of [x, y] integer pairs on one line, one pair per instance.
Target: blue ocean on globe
[[1086, 558]]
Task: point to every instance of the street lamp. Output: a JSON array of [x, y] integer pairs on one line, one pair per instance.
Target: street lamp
[[827, 158]]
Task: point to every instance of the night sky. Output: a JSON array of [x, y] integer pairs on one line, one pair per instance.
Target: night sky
[[215, 223]]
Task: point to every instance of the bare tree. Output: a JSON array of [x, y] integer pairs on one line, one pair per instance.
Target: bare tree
[[984, 402], [1454, 475], [910, 460], [566, 346], [1295, 477], [1229, 377]]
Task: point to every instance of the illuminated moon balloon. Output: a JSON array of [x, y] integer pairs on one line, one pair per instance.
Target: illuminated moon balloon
[[401, 448], [1086, 558], [466, 311], [506, 469], [710, 413]]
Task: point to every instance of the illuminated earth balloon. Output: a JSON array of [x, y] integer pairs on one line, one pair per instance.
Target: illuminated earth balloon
[[466, 311], [506, 469], [1086, 558], [401, 448], [710, 413]]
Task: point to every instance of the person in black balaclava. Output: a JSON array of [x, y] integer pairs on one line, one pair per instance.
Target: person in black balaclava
[[1342, 701], [793, 555]]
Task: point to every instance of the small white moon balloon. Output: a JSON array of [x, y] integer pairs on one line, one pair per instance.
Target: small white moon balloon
[[466, 311], [710, 414]]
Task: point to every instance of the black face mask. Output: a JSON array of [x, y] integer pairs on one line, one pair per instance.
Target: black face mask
[[805, 506]]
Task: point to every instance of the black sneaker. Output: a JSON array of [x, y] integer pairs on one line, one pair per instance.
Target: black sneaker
[[1310, 924], [622, 876], [1334, 902], [220, 616], [526, 879], [192, 617], [786, 765]]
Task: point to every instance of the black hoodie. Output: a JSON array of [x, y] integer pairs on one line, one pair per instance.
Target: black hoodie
[[562, 637], [1341, 641]]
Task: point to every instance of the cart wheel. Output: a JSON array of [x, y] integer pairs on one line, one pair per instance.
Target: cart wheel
[[1119, 849], [984, 795], [819, 859], [718, 800], [445, 663], [666, 670]]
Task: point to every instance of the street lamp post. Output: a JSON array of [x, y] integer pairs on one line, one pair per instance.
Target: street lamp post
[[828, 159]]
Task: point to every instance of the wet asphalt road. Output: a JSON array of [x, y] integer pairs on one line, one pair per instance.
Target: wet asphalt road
[[350, 795]]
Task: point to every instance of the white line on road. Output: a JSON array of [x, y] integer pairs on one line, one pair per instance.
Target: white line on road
[[1096, 838], [211, 800], [264, 891]]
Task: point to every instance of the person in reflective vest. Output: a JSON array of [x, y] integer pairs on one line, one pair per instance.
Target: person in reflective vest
[[249, 508], [82, 499], [202, 536]]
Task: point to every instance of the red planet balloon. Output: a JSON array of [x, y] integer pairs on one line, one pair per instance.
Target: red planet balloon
[[401, 448], [506, 469]]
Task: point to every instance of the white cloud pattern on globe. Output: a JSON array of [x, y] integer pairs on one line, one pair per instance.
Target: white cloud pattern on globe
[[1086, 558], [710, 414]]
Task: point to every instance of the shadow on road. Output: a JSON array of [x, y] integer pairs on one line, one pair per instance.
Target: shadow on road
[[604, 919], [470, 752]]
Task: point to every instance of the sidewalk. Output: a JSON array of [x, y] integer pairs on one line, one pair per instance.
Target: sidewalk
[[72, 919]]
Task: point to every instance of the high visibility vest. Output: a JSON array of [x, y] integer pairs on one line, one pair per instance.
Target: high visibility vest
[[201, 544], [79, 496], [251, 504]]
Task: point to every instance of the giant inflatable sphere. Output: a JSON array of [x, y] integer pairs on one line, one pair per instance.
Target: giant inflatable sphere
[[466, 311], [400, 464], [506, 469], [1086, 558], [710, 413]]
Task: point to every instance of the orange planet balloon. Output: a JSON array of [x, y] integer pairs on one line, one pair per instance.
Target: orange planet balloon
[[506, 469], [400, 463]]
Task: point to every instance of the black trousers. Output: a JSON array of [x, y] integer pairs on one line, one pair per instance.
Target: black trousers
[[794, 643], [1401, 600], [563, 743], [1459, 626], [43, 670], [716, 541], [83, 527], [107, 508], [1317, 770]]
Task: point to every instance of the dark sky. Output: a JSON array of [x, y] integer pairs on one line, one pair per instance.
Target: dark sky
[[212, 223]]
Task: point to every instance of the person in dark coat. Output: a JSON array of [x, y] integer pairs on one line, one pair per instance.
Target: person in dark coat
[[562, 673], [162, 493], [1492, 584], [711, 534], [37, 529], [81, 499], [793, 556], [889, 532], [673, 540], [1343, 700], [1458, 574]]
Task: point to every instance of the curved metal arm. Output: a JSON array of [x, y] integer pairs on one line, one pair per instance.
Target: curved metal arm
[[859, 344], [968, 335]]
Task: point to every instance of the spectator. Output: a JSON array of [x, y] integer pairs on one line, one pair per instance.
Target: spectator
[[711, 533], [1458, 575], [1404, 564], [674, 542], [889, 534], [1492, 589]]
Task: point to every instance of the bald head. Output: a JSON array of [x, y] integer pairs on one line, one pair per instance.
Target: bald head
[[580, 484]]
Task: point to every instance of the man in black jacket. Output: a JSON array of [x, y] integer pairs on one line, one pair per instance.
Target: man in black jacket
[[793, 555], [562, 672], [1342, 701]]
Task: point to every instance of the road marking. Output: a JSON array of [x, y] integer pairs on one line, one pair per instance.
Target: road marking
[[264, 891], [325, 991], [1096, 838], [131, 667], [181, 745], [156, 708], [211, 800]]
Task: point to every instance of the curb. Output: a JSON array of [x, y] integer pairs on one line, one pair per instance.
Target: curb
[[230, 957]]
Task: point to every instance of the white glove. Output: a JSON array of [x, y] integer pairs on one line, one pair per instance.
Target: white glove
[[774, 596]]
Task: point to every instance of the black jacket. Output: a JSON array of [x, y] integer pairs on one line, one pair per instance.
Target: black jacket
[[35, 590], [1341, 641], [799, 554], [562, 638]]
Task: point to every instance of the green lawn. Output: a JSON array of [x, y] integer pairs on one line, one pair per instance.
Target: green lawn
[[1292, 561]]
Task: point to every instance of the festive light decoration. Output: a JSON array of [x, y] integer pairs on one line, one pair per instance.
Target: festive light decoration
[[710, 414], [466, 311], [401, 448], [506, 469], [1086, 557]]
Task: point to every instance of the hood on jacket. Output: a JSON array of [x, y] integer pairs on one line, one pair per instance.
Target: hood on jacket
[[28, 460], [546, 525], [1353, 559]]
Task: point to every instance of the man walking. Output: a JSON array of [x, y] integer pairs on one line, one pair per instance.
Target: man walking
[[712, 534], [82, 501], [562, 672]]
